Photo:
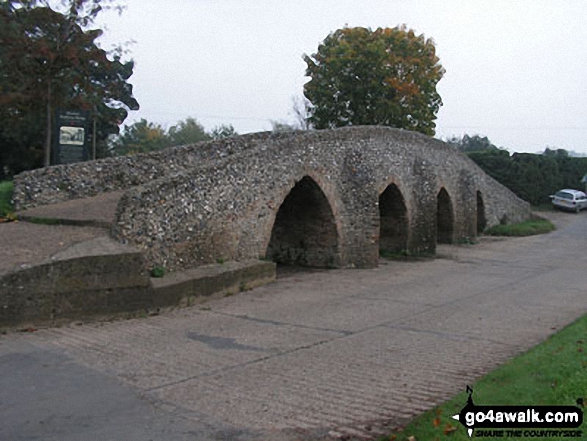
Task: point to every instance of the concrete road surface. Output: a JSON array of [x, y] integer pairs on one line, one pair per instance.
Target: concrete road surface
[[314, 355]]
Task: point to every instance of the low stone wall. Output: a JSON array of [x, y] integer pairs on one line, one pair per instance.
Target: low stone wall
[[72, 181], [197, 284], [102, 279], [76, 284]]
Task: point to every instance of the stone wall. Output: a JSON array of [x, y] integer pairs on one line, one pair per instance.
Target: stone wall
[[102, 279], [76, 283], [229, 208], [72, 181]]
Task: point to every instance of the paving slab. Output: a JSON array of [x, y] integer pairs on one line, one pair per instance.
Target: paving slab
[[351, 352], [78, 220], [98, 211]]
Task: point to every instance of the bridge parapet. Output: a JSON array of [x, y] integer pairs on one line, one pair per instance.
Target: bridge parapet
[[73, 181]]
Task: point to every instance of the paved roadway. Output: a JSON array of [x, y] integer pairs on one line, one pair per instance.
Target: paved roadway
[[328, 352]]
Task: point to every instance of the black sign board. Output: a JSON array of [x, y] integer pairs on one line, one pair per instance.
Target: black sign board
[[72, 137]]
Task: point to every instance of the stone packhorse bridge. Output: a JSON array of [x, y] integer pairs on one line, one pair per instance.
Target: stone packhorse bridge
[[331, 198]]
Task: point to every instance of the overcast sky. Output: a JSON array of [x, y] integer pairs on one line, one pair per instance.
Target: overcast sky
[[516, 71]]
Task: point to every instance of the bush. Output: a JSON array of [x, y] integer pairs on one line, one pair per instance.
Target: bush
[[532, 177], [158, 271], [6, 198], [527, 228]]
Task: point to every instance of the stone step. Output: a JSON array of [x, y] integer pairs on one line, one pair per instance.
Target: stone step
[[194, 285], [101, 278]]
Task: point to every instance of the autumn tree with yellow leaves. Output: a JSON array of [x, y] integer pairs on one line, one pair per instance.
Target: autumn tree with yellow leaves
[[384, 77]]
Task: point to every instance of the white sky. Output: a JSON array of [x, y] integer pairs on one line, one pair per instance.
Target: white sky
[[516, 71]]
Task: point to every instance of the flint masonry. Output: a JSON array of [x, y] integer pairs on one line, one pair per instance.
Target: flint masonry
[[331, 198]]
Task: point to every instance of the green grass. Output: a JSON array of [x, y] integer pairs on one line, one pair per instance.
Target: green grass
[[157, 271], [526, 228], [6, 198], [404, 255], [552, 373]]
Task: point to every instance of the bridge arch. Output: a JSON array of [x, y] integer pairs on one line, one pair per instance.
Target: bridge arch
[[481, 218], [305, 230], [445, 217], [394, 218]]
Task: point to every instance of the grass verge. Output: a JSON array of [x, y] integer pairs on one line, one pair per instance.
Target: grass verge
[[552, 373], [404, 255], [526, 228], [6, 198]]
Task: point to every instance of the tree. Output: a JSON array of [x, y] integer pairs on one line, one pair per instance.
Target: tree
[[558, 153], [473, 143], [140, 137], [49, 60], [364, 77], [282, 126], [532, 177], [301, 110], [223, 131], [185, 132], [144, 136]]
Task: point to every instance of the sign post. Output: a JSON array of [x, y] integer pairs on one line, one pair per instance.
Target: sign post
[[72, 137]]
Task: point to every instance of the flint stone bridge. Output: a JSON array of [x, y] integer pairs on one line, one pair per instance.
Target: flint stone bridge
[[331, 198]]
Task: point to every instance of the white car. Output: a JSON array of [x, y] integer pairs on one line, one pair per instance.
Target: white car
[[569, 200]]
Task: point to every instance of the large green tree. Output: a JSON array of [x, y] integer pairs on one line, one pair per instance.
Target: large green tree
[[140, 137], [49, 60], [186, 132], [363, 77]]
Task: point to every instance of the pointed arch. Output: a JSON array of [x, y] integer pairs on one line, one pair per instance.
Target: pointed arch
[[444, 217], [304, 231], [393, 220], [481, 219]]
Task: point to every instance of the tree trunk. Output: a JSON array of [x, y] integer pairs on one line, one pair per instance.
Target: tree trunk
[[47, 162], [94, 135]]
